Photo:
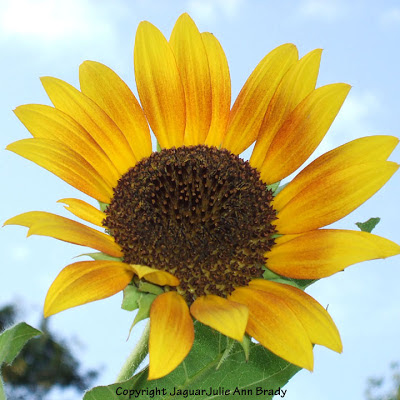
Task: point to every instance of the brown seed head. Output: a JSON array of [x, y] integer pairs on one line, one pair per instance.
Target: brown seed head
[[197, 212]]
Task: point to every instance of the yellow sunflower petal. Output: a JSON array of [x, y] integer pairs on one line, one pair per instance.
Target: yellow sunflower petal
[[159, 85], [171, 334], [109, 91], [49, 123], [297, 83], [220, 87], [86, 281], [155, 276], [47, 224], [228, 317], [321, 253], [316, 321], [88, 114], [191, 58], [273, 323], [252, 102], [359, 151], [302, 131], [84, 211], [333, 196], [66, 164]]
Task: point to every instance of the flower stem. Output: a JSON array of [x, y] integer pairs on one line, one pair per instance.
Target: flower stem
[[136, 357]]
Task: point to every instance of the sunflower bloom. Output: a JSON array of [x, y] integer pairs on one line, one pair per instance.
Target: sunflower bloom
[[194, 218]]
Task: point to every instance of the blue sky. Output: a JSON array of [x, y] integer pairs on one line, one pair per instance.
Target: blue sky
[[360, 41]]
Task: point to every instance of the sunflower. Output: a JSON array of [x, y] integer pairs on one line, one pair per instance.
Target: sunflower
[[193, 217]]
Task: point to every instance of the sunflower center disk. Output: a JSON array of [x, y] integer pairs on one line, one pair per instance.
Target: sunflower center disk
[[197, 212]]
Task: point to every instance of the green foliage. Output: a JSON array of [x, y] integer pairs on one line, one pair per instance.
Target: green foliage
[[37, 365], [214, 362], [13, 340], [377, 389], [369, 225]]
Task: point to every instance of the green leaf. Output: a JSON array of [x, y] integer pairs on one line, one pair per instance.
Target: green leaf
[[369, 225], [100, 256], [261, 377], [2, 393], [13, 340]]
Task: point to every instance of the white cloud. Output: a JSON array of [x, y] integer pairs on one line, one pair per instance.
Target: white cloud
[[51, 20], [209, 10], [327, 10], [355, 116], [355, 119], [390, 17], [19, 253]]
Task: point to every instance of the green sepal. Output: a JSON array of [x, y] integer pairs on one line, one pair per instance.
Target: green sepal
[[280, 188], [276, 187], [273, 186], [198, 371], [130, 298], [100, 256], [245, 343], [150, 288], [299, 283], [159, 148], [230, 343], [144, 302], [134, 295], [369, 225], [102, 205]]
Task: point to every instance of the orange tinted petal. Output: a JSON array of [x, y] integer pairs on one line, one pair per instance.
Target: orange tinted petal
[[273, 323], [88, 114], [86, 281], [109, 91], [321, 253], [47, 224], [64, 163], [296, 84], [228, 317], [359, 151], [252, 102], [316, 321], [191, 58], [155, 276], [46, 122], [302, 131], [171, 334], [159, 85], [84, 211], [333, 196], [220, 88]]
